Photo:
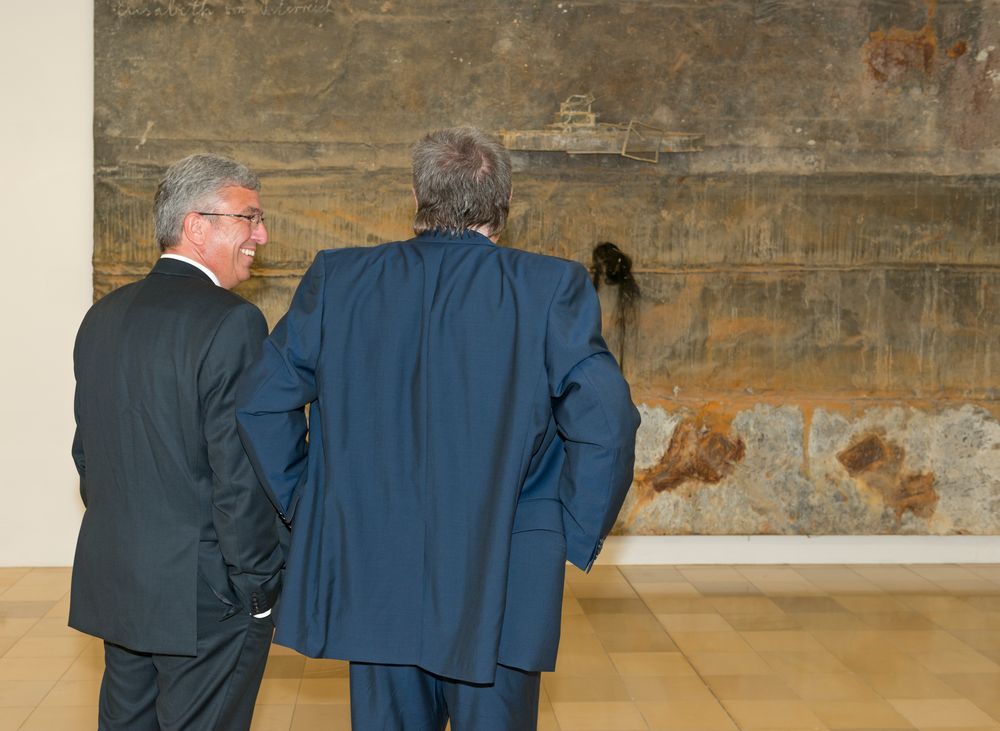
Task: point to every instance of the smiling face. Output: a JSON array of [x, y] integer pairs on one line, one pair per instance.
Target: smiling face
[[230, 244]]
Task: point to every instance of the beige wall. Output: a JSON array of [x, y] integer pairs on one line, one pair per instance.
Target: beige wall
[[46, 204]]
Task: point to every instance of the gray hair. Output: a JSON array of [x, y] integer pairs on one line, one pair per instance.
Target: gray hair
[[461, 178], [193, 184]]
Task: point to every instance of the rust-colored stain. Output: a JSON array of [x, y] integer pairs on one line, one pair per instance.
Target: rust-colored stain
[[695, 453], [917, 494], [864, 455], [891, 55], [878, 464], [958, 50]]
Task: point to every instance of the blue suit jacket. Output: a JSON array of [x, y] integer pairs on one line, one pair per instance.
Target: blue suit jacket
[[468, 431]]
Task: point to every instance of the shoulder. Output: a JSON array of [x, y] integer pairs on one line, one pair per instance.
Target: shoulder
[[553, 269], [352, 253], [547, 261]]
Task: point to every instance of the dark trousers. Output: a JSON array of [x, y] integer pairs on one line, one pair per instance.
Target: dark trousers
[[215, 690], [407, 698]]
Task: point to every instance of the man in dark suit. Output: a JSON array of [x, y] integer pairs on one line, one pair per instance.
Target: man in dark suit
[[178, 560], [468, 431]]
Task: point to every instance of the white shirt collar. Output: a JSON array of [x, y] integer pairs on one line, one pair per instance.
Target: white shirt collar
[[192, 262]]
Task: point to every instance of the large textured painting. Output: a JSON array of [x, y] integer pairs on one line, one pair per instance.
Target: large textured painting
[[814, 331]]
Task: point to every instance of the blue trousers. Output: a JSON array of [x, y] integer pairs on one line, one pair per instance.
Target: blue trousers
[[407, 698]]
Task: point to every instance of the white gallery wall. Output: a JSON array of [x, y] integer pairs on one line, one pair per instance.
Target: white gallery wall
[[46, 210]]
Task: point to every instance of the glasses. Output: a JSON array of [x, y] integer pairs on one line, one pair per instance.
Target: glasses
[[255, 219]]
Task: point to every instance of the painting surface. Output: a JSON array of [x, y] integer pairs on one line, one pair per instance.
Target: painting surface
[[816, 345]]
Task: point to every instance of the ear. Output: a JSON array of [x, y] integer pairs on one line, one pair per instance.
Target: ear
[[195, 228]]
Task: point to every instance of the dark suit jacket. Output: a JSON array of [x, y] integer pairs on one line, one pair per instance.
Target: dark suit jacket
[[468, 430], [168, 488]]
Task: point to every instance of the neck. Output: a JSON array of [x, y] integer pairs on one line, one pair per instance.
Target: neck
[[187, 250], [485, 231]]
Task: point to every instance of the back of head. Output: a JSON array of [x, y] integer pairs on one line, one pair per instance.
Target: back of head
[[461, 178], [193, 184]]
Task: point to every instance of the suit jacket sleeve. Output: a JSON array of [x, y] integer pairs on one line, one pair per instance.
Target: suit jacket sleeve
[[594, 414], [78, 456], [274, 391], [243, 517]]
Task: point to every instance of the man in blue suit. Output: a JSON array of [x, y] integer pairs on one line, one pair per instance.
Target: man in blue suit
[[468, 431]]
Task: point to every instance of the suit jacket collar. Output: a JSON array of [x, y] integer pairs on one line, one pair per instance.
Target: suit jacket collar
[[177, 268], [466, 237]]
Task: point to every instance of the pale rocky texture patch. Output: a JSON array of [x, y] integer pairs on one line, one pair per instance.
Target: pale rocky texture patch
[[776, 490]]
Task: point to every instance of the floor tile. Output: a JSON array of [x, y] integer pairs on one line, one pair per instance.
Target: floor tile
[[830, 621], [563, 689], [955, 713], [272, 718], [679, 604], [897, 620], [651, 574], [612, 623], [88, 666], [667, 688], [949, 662], [750, 687], [870, 714], [278, 692], [12, 718], [24, 692], [33, 668], [665, 589], [808, 604], [644, 664], [796, 663], [782, 641], [831, 687], [65, 718], [643, 647], [686, 716], [926, 641], [16, 627], [547, 720], [585, 664], [975, 687], [604, 590], [70, 646], [697, 622], [744, 605], [766, 622], [716, 574], [914, 683], [324, 691], [729, 663], [751, 715], [608, 716], [576, 624], [658, 641], [279, 666], [73, 693], [869, 603], [321, 718], [730, 641], [978, 638], [24, 610], [618, 605], [727, 588]]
